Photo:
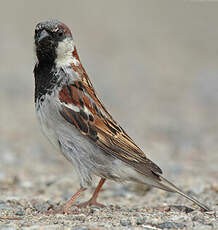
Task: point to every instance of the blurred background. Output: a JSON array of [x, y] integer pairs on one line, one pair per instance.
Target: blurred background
[[153, 63]]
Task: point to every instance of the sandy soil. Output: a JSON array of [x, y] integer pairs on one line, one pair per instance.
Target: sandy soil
[[154, 64]]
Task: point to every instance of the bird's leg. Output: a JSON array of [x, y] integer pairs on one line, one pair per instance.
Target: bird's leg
[[92, 200], [72, 199]]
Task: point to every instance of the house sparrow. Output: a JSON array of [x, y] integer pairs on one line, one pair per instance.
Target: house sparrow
[[77, 123]]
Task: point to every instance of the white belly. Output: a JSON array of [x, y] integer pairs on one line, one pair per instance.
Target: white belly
[[46, 118]]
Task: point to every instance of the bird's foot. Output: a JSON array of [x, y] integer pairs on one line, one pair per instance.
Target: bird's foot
[[90, 202], [67, 210]]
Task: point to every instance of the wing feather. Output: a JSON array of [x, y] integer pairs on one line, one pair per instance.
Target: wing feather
[[81, 107]]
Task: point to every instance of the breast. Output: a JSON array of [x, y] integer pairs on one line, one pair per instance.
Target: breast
[[47, 116]]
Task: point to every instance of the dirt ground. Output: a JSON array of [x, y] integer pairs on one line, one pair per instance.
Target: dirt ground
[[154, 64]]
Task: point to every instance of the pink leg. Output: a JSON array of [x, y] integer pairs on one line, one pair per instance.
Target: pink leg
[[72, 199], [90, 202], [93, 199]]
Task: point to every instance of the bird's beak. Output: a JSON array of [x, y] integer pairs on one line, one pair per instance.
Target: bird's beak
[[43, 37]]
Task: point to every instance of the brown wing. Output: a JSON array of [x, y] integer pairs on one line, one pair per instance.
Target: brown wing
[[82, 108]]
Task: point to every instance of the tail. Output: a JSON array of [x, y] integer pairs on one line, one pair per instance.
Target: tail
[[168, 186]]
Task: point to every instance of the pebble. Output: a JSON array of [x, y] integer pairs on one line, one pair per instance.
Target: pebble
[[5, 207], [140, 220], [44, 227], [26, 184], [147, 227], [28, 211], [1, 202], [45, 206], [19, 213], [181, 208], [60, 215], [80, 228], [80, 217], [7, 227], [203, 227], [125, 222], [171, 225], [41, 207], [180, 218]]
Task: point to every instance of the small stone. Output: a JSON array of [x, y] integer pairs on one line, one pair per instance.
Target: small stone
[[125, 222], [5, 207], [1, 202], [170, 225], [58, 215], [140, 220], [55, 222], [181, 208], [164, 209], [80, 228], [26, 184], [180, 218], [95, 208], [7, 227], [197, 218], [28, 211], [202, 227], [41, 207], [19, 213], [45, 206], [44, 227], [80, 217], [215, 225], [147, 227]]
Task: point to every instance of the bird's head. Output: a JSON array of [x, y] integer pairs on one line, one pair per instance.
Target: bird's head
[[53, 42]]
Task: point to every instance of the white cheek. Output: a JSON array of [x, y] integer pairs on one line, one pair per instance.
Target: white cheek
[[64, 52]]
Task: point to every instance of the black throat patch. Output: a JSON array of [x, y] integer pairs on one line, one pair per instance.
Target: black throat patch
[[45, 79]]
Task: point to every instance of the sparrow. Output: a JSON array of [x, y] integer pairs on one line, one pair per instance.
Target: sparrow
[[76, 122]]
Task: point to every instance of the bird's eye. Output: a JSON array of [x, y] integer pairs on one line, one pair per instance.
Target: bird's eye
[[60, 33]]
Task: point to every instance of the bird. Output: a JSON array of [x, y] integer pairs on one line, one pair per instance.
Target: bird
[[77, 123]]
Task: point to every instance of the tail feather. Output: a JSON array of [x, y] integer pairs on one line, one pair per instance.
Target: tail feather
[[168, 186]]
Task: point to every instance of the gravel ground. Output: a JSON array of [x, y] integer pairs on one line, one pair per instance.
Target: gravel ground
[[158, 58]]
